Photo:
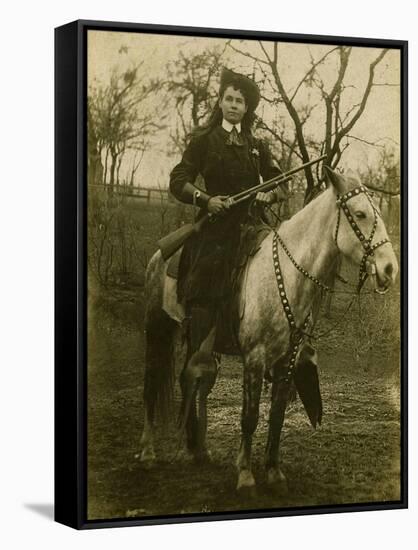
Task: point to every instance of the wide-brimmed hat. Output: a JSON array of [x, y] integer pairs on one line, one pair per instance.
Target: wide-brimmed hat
[[241, 82]]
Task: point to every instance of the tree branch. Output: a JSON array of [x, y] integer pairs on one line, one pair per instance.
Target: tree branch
[[385, 191], [247, 54], [346, 129], [311, 71], [372, 143], [278, 137], [329, 99]]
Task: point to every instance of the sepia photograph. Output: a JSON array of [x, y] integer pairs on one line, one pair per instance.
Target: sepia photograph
[[244, 253]]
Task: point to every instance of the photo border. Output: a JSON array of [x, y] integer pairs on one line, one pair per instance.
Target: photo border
[[71, 272]]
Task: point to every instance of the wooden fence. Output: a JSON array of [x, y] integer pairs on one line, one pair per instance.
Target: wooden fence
[[145, 193]]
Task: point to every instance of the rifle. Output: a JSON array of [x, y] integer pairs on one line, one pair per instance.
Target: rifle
[[173, 241]]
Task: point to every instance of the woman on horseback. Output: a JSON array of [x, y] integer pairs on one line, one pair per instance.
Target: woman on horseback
[[230, 159]]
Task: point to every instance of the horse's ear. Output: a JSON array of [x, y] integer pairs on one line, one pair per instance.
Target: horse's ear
[[336, 179]]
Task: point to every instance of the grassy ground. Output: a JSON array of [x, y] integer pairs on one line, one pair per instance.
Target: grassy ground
[[354, 457]]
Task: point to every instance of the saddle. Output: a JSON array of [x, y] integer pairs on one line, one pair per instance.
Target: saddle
[[251, 238]]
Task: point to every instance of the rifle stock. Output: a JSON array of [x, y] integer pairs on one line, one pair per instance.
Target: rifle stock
[[173, 241]]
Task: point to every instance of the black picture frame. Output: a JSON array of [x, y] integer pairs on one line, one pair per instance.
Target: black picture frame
[[71, 272]]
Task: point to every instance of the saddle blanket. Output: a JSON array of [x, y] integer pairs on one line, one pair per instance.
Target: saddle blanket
[[171, 305]]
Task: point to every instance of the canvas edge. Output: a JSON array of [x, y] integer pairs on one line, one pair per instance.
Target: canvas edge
[[70, 266]]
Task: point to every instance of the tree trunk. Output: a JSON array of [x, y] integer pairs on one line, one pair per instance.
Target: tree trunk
[[112, 172]]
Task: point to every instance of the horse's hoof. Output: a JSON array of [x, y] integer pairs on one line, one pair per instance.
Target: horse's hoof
[[277, 482], [246, 485]]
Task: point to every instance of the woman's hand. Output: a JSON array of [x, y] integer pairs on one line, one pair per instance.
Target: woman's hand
[[218, 204], [265, 198]]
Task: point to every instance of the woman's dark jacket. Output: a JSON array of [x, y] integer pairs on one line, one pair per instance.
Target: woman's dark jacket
[[227, 169]]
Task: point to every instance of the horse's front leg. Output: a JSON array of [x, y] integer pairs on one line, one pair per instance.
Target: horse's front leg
[[253, 381], [279, 399]]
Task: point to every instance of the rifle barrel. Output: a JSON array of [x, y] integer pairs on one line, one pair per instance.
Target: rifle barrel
[[264, 187], [277, 180]]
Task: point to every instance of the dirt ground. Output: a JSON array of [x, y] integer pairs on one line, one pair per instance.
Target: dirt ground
[[354, 457]]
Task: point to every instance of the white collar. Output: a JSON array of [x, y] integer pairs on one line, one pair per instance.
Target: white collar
[[228, 126]]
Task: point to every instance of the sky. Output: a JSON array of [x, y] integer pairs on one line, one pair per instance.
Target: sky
[[108, 51]]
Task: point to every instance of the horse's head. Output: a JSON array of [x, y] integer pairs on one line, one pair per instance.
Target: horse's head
[[360, 232]]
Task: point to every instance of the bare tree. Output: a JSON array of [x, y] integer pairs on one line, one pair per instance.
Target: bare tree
[[192, 86], [339, 121], [383, 178], [119, 119], [136, 162], [94, 148]]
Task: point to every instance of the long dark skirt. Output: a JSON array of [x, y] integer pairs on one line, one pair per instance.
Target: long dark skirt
[[207, 262], [210, 267]]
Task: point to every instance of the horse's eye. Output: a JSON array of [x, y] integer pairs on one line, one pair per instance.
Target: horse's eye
[[360, 215]]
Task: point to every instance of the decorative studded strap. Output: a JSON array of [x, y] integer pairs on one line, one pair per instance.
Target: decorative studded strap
[[301, 269], [365, 241], [297, 334]]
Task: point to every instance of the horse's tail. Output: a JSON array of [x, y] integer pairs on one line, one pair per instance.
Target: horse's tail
[[159, 346]]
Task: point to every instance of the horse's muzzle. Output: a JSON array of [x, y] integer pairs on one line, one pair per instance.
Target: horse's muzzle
[[384, 278]]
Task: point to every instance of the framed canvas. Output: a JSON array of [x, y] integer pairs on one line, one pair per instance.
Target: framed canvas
[[231, 274]]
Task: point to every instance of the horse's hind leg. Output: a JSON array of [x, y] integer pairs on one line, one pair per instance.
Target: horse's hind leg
[[206, 383], [253, 380], [202, 451], [188, 417], [147, 440], [279, 399]]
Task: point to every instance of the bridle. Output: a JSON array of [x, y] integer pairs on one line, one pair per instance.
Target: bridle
[[366, 242]]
